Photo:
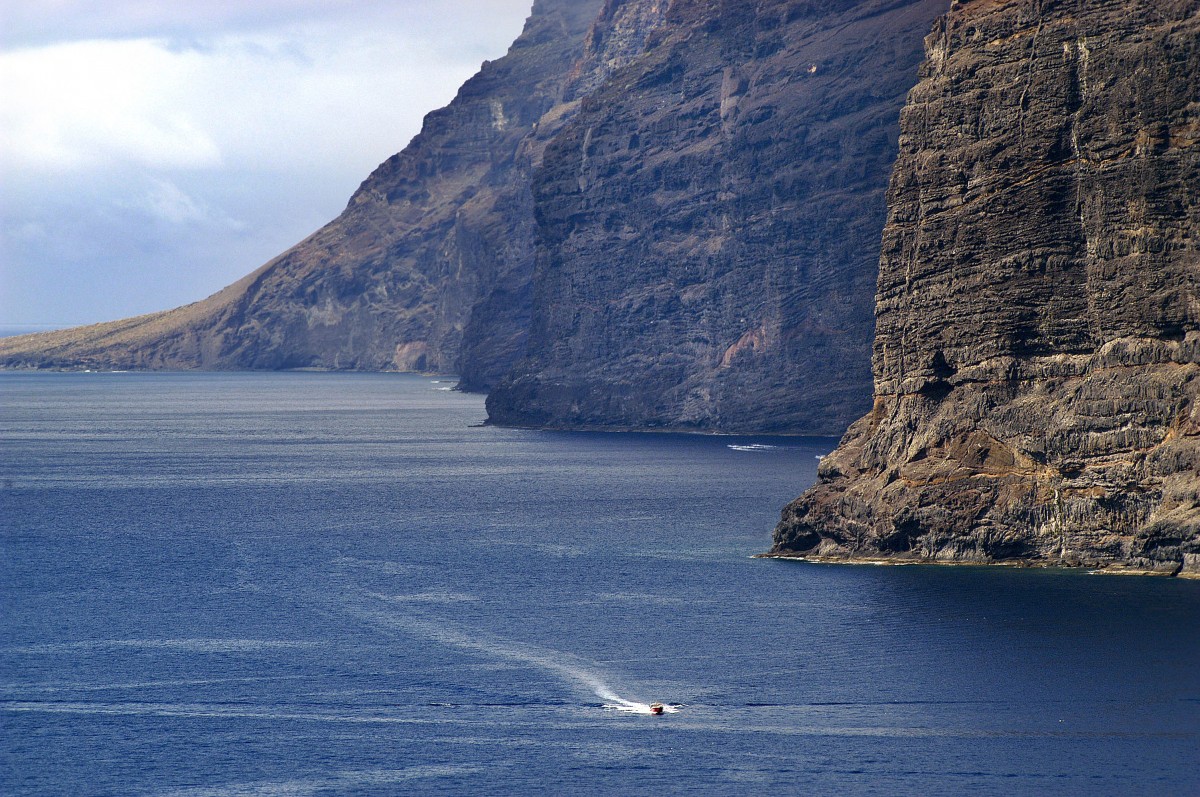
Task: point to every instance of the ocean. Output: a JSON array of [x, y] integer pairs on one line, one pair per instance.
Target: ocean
[[343, 584]]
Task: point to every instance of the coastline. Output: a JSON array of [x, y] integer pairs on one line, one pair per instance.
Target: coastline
[[1115, 569]]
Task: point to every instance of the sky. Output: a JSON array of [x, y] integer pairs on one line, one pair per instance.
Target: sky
[[154, 151]]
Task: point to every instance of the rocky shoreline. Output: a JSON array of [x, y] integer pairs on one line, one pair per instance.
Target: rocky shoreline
[[1189, 569]]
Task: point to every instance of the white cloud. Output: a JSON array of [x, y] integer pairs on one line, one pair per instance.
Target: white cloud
[[164, 201], [25, 23], [95, 104], [239, 126]]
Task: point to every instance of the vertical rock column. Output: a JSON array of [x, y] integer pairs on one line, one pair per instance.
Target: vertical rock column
[[1037, 354]]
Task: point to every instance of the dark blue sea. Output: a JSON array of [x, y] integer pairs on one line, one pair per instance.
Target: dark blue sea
[[326, 584]]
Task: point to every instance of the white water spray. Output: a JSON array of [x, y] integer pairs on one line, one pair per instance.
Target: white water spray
[[618, 703]]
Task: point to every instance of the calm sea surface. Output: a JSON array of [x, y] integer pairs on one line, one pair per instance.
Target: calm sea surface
[[318, 584]]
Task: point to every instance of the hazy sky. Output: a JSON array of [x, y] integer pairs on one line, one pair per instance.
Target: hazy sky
[[153, 151]]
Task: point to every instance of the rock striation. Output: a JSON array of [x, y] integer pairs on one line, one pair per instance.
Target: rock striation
[[668, 211], [428, 267], [1037, 353], [708, 224]]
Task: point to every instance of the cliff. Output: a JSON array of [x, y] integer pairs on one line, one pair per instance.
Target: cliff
[[708, 225], [1037, 354], [428, 268], [670, 208]]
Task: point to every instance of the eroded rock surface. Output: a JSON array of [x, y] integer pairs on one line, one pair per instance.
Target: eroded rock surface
[[709, 223], [1037, 356]]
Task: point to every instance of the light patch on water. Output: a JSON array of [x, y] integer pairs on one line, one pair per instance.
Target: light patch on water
[[642, 597], [161, 684], [752, 447], [609, 752], [210, 711], [338, 782], [554, 549], [379, 565], [173, 645], [429, 596]]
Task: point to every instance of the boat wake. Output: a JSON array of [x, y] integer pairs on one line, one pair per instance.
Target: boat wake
[[566, 667], [751, 447]]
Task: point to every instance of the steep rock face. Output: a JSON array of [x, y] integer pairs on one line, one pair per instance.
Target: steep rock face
[[495, 334], [619, 35], [436, 234], [1037, 356], [709, 223]]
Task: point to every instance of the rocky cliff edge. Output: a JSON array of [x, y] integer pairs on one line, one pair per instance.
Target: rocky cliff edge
[[1037, 358]]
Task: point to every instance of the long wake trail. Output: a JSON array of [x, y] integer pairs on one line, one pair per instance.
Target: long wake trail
[[556, 662]]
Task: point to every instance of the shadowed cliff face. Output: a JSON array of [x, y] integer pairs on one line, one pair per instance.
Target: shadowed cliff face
[[497, 328], [708, 225], [1037, 357], [436, 235]]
